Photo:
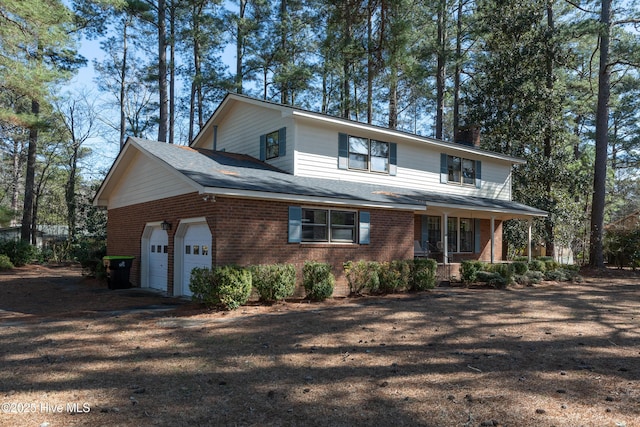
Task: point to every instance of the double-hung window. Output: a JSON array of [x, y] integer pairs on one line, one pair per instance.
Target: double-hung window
[[273, 144], [365, 154], [458, 170], [368, 154], [461, 171], [324, 225]]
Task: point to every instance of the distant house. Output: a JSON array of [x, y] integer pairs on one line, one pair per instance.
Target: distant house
[[628, 222], [46, 234], [271, 183]]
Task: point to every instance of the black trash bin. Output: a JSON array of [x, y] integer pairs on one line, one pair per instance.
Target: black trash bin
[[118, 269]]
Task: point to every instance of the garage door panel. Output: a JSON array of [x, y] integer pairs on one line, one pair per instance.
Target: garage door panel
[[158, 259], [196, 252]]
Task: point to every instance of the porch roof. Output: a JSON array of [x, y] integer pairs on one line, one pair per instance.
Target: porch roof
[[230, 174]]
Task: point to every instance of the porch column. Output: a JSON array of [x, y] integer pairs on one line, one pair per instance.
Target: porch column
[[445, 243], [530, 222], [493, 238]]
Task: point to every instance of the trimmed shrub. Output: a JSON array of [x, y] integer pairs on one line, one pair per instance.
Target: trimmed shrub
[[549, 263], [469, 270], [486, 276], [19, 252], [506, 271], [394, 276], [520, 268], [535, 277], [423, 274], [5, 263], [537, 265], [274, 282], [362, 275], [318, 280], [227, 287]]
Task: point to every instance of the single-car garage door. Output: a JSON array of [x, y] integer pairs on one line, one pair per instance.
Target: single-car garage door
[[196, 252], [158, 259]]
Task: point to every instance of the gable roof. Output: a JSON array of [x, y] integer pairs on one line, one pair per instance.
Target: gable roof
[[237, 175], [348, 125]]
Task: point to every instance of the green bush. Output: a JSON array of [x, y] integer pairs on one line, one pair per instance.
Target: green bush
[[5, 263], [423, 274], [520, 267], [506, 271], [486, 276], [19, 252], [549, 263], [227, 287], [318, 280], [362, 275], [469, 270], [622, 247], [394, 276], [537, 265], [535, 277], [274, 282]]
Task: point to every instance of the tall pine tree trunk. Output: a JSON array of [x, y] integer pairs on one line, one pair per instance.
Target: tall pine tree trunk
[[441, 72], [596, 258], [548, 137], [163, 125], [240, 45], [29, 184]]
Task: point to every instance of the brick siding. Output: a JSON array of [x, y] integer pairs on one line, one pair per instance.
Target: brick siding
[[248, 232]]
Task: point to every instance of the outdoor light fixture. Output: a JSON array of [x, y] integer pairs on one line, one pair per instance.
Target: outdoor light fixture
[[165, 225]]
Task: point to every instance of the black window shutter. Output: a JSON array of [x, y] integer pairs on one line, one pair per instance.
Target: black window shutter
[[444, 171], [282, 142], [263, 147], [393, 158]]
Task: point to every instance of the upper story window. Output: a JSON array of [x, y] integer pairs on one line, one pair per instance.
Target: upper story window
[[458, 170], [368, 154], [364, 154], [273, 144], [461, 171]]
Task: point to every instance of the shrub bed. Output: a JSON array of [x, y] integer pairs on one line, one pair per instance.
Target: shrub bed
[[423, 274]]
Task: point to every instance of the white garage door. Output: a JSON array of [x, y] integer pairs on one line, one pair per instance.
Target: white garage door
[[196, 252], [158, 259]]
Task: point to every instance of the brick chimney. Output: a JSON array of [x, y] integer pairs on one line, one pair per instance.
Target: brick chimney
[[469, 135]]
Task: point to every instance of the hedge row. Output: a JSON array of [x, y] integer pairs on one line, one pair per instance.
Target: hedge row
[[519, 271], [229, 287], [388, 277]]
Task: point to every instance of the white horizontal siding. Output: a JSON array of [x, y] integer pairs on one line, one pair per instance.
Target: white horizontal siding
[[146, 180], [240, 132], [418, 165]]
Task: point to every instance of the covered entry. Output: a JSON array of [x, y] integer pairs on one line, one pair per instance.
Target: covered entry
[[193, 243]]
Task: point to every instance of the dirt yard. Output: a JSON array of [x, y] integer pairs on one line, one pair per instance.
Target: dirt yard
[[75, 353]]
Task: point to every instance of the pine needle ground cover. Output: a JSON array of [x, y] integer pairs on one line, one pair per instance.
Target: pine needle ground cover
[[74, 353]]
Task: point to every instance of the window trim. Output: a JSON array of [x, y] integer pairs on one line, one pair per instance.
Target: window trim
[[275, 147], [345, 153], [329, 226], [361, 226], [458, 240]]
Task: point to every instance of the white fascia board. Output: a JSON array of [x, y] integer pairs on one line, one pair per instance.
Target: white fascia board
[[515, 214], [250, 194], [397, 134]]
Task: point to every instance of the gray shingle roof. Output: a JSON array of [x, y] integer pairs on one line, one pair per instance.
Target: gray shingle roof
[[221, 170]]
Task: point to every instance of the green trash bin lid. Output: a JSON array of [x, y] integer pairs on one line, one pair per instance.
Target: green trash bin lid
[[118, 257]]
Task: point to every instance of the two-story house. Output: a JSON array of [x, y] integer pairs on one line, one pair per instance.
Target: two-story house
[[270, 183]]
